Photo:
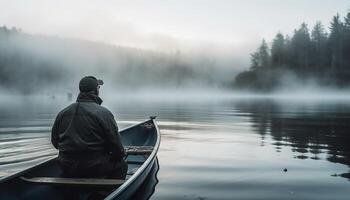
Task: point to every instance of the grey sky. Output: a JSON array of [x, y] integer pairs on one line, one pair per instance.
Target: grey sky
[[168, 25]]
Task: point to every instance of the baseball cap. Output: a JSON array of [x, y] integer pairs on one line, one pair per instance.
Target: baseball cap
[[89, 83]]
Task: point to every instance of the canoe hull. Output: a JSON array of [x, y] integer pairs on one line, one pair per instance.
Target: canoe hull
[[143, 134], [133, 183], [133, 187]]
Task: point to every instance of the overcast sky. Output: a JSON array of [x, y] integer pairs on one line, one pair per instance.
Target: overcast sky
[[168, 25]]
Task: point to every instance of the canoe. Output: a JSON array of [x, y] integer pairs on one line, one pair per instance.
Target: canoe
[[147, 189], [44, 181]]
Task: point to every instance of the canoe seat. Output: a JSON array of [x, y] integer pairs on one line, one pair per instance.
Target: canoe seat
[[138, 150], [74, 181]]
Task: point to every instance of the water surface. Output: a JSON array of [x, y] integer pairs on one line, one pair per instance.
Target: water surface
[[223, 149]]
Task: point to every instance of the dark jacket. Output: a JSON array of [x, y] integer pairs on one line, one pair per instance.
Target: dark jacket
[[86, 129]]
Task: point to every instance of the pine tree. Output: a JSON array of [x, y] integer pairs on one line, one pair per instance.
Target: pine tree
[[255, 61], [335, 42], [287, 51], [260, 58], [347, 21], [346, 48], [278, 51], [300, 48], [319, 46], [264, 54], [318, 35]]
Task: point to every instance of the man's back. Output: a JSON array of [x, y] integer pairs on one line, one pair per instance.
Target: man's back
[[82, 128], [86, 135]]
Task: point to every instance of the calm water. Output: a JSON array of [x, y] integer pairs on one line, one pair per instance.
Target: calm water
[[229, 149]]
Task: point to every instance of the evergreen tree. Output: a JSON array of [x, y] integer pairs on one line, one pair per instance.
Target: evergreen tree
[[346, 48], [278, 51], [264, 54], [255, 60], [347, 22], [260, 58], [300, 48], [318, 35], [319, 46], [335, 42], [287, 50]]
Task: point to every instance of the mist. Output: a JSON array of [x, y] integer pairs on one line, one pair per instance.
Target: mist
[[53, 65], [198, 53]]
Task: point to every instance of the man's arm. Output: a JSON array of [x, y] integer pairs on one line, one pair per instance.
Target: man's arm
[[55, 133], [113, 137]]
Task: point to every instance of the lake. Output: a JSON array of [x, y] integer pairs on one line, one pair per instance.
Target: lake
[[229, 148]]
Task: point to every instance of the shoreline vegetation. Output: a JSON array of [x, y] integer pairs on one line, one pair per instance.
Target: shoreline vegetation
[[307, 57]]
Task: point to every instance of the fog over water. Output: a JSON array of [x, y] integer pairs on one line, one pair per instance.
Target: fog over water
[[34, 64], [43, 64], [179, 46]]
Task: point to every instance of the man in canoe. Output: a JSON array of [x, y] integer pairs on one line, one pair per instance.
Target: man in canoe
[[86, 135]]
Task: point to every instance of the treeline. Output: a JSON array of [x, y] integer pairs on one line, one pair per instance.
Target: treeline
[[320, 54], [36, 63], [21, 69]]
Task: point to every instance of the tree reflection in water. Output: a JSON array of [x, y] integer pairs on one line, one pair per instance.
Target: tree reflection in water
[[312, 130]]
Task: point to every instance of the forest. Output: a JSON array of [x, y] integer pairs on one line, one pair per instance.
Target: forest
[[321, 55], [49, 64]]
